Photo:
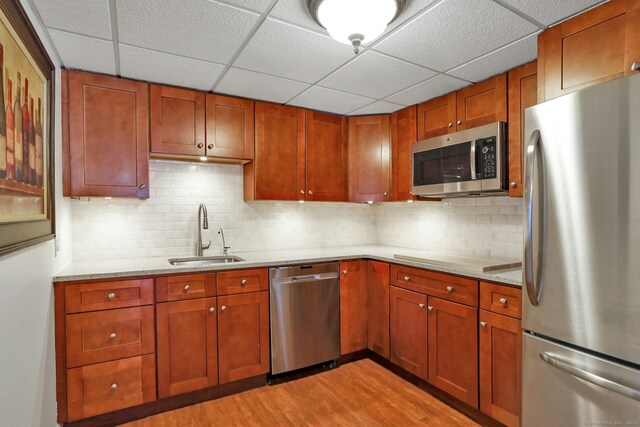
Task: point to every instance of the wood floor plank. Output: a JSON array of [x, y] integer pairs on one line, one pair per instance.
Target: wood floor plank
[[361, 393]]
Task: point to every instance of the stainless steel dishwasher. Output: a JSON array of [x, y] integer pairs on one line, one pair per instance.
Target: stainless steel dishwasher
[[305, 316]]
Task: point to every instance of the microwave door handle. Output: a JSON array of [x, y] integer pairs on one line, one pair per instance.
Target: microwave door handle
[[472, 160]]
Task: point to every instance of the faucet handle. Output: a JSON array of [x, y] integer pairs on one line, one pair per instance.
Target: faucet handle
[[207, 245], [225, 250]]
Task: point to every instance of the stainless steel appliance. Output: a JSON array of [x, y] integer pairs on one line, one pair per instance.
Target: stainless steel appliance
[[581, 299], [472, 161], [305, 316]]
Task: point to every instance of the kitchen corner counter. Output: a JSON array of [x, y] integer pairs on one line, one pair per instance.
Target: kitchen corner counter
[[160, 266]]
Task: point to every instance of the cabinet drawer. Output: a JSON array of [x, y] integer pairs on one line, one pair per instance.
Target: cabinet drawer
[[501, 299], [175, 288], [448, 287], [106, 387], [81, 297], [109, 335], [242, 281]]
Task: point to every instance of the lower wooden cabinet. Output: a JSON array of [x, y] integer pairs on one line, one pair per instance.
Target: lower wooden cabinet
[[243, 336], [500, 367], [409, 331], [187, 346], [353, 306], [378, 307], [453, 349]]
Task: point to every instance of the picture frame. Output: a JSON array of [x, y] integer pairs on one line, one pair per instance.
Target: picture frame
[[27, 197]]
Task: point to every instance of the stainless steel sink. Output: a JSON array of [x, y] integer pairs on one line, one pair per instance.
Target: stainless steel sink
[[205, 260]]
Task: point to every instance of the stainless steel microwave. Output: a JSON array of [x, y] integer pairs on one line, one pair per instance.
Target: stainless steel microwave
[[473, 161]]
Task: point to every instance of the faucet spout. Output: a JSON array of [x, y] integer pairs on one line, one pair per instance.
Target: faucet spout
[[203, 223]]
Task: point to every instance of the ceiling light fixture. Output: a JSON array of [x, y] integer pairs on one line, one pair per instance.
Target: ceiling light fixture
[[355, 22]]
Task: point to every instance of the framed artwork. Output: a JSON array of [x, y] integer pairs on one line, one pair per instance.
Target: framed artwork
[[26, 129]]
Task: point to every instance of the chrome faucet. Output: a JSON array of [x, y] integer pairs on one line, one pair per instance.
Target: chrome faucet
[[202, 212], [225, 248]]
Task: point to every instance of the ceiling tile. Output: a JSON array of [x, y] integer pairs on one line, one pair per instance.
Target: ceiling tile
[[548, 12], [85, 53], [257, 5], [158, 67], [288, 51], [295, 11], [89, 17], [378, 107], [198, 29], [518, 53], [429, 89], [376, 76], [323, 99], [455, 32], [410, 10], [259, 86]]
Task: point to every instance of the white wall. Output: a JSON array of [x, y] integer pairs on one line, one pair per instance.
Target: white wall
[[27, 357]]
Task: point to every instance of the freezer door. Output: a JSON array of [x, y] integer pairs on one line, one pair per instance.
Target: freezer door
[[564, 387], [582, 219]]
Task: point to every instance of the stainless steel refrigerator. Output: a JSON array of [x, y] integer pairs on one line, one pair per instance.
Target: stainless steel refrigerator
[[581, 293]]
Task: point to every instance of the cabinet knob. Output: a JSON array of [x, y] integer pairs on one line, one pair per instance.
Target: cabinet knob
[[450, 289], [210, 146], [212, 309], [114, 386], [223, 308], [386, 193], [430, 308], [301, 191], [635, 66], [483, 324], [503, 301], [143, 186], [243, 282], [200, 145], [113, 335], [459, 122], [310, 192], [344, 272], [513, 184], [421, 305], [450, 124], [186, 288], [111, 295], [407, 278]]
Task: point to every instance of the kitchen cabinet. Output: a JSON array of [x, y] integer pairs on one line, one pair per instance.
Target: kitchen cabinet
[[403, 135], [230, 130], [105, 139], [593, 47], [482, 103], [187, 346], [437, 117], [408, 323], [369, 159], [522, 94], [182, 287], [177, 121], [326, 161], [243, 336], [378, 307], [453, 349], [278, 169], [353, 306]]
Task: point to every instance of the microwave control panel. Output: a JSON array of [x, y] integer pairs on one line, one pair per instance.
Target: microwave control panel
[[488, 156]]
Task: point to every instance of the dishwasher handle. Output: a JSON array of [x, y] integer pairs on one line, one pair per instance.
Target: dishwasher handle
[[305, 279]]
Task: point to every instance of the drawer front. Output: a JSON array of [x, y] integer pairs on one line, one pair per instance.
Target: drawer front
[[444, 286], [501, 299], [81, 297], [107, 387], [242, 281], [109, 335], [176, 288]]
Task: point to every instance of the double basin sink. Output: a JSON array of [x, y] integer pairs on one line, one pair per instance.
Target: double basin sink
[[205, 260]]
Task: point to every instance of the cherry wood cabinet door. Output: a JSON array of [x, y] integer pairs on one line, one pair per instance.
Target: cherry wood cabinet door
[[500, 367], [177, 121], [230, 127], [369, 159], [437, 117], [482, 103], [378, 307], [187, 346], [522, 93], [593, 47], [107, 128], [409, 331], [326, 161], [278, 170], [453, 349], [243, 336], [403, 135], [353, 306]]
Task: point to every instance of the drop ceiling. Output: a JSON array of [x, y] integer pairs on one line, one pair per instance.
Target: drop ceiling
[[272, 50]]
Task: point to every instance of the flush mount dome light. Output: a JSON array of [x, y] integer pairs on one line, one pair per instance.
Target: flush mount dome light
[[355, 22]]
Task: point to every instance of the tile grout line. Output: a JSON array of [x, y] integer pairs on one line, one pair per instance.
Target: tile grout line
[[113, 14], [38, 17], [520, 14]]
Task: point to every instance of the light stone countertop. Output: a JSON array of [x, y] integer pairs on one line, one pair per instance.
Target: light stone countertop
[[106, 269]]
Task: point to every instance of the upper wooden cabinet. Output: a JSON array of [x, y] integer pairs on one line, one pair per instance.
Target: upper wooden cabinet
[[437, 117], [523, 84], [369, 159], [353, 306], [278, 171], [326, 157], [230, 127], [177, 121], [403, 135], [105, 136], [593, 47], [482, 103]]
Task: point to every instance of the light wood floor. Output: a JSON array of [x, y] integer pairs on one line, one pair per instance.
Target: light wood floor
[[361, 393]]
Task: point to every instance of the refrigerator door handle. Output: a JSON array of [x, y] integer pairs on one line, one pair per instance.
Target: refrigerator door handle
[[531, 271], [591, 377]]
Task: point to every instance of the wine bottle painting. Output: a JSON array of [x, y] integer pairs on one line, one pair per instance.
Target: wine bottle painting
[[23, 153]]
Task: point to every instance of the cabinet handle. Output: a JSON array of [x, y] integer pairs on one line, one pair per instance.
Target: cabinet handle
[[483, 324], [301, 191], [459, 122], [114, 386], [143, 186], [212, 309], [407, 278], [430, 308], [200, 145], [210, 146], [111, 295], [113, 335], [421, 305], [503, 301], [310, 192], [243, 282], [635, 66], [513, 184], [450, 289], [386, 193], [223, 308], [186, 288], [450, 124], [344, 272]]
